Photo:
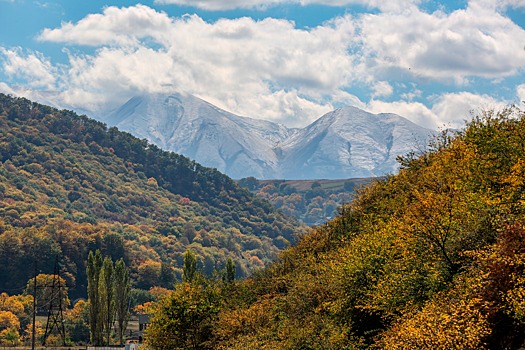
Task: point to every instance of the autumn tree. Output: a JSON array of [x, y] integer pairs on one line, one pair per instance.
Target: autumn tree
[[110, 300], [106, 288], [94, 267], [189, 272], [230, 270], [44, 294], [122, 295], [184, 319]]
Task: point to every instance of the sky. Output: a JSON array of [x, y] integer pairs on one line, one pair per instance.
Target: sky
[[288, 61]]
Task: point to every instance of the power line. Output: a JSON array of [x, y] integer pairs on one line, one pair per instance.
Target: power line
[[55, 316]]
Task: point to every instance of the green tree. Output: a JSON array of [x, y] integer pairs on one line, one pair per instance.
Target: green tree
[[106, 286], [122, 297], [189, 271], [94, 267], [230, 270], [166, 276], [184, 319]]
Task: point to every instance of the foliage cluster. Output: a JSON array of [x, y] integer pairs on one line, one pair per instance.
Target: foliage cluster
[[311, 201], [430, 258], [109, 296], [70, 185]]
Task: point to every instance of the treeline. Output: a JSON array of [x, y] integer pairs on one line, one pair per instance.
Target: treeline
[[431, 258], [70, 185]]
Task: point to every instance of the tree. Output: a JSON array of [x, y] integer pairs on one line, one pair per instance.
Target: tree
[[230, 270], [189, 271], [122, 296], [166, 276], [44, 293], [9, 327], [184, 319], [94, 267], [77, 321], [106, 285]]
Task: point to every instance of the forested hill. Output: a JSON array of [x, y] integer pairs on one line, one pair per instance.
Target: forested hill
[[430, 258], [69, 185]]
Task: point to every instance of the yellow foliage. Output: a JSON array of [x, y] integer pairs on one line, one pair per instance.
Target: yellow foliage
[[12, 304], [445, 322], [9, 320]]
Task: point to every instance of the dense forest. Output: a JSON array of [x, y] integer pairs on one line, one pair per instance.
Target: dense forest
[[312, 201], [430, 258], [70, 185]]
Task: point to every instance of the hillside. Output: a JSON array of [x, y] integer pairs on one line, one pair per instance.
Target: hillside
[[311, 201], [69, 185], [431, 258]]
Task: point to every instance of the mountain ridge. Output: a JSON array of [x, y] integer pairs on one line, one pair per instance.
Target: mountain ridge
[[347, 142]]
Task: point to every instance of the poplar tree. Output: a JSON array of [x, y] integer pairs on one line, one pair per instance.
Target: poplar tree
[[122, 295], [230, 270], [109, 293], [189, 271], [94, 267], [106, 285]]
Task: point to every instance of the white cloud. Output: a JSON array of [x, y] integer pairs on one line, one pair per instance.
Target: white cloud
[[454, 109], [416, 112], [449, 110], [267, 69], [520, 90], [117, 26], [382, 89], [476, 41], [273, 70], [221, 5], [519, 4], [34, 68]]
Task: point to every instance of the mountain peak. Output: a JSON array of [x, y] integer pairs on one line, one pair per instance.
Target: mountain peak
[[347, 142]]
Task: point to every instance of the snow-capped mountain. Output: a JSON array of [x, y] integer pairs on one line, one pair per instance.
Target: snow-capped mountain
[[345, 143], [187, 125], [350, 142]]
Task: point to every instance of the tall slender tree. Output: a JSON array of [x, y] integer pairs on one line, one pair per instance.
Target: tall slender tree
[[106, 287], [122, 295], [230, 270], [94, 265], [189, 271]]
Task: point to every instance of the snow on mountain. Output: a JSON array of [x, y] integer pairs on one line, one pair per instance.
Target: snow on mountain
[[345, 143], [350, 142], [187, 125]]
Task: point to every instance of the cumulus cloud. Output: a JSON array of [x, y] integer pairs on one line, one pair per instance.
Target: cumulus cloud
[[273, 70], [449, 110], [118, 26], [267, 69], [475, 41], [520, 90], [454, 109], [382, 88], [221, 5], [33, 67], [416, 112]]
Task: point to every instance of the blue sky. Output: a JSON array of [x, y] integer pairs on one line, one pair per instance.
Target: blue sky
[[288, 61]]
